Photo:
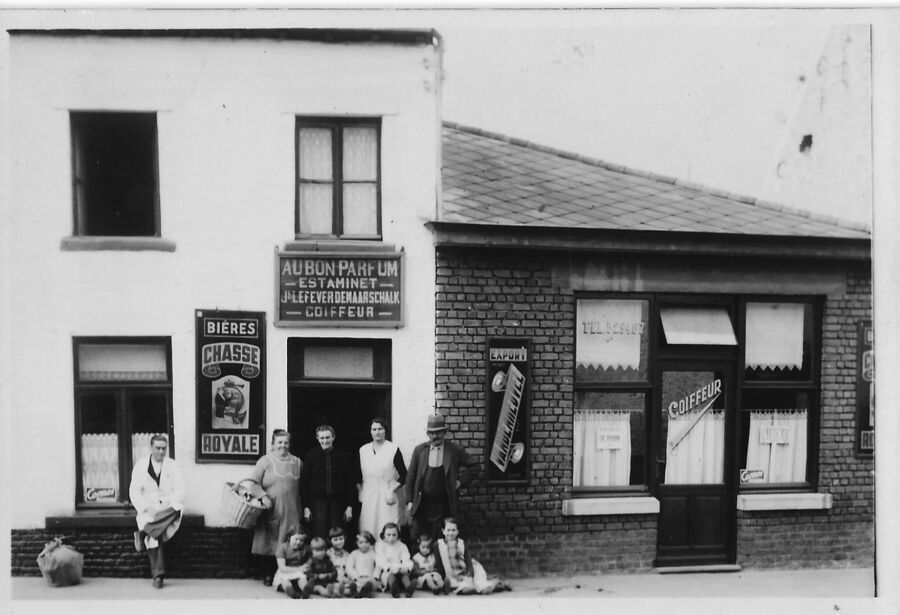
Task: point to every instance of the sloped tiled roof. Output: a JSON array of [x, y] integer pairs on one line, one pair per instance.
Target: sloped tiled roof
[[497, 180]]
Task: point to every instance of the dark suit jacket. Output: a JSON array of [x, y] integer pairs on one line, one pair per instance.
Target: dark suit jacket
[[458, 466], [343, 477]]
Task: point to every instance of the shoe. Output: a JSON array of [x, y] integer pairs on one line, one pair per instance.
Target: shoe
[[268, 581], [158, 583], [410, 590], [138, 542], [437, 591], [290, 592], [280, 588], [353, 592], [307, 591]]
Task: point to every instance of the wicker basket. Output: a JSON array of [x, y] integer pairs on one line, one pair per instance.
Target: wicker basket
[[237, 511]]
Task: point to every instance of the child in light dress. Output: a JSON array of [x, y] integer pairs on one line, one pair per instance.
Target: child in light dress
[[424, 573], [361, 567], [292, 556], [394, 563], [462, 574]]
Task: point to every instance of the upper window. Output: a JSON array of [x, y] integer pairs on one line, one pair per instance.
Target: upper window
[[115, 176], [779, 341], [123, 396], [338, 178]]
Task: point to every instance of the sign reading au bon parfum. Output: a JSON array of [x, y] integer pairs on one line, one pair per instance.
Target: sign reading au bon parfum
[[231, 386]]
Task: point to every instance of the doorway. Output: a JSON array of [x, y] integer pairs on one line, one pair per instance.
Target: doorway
[[694, 463]]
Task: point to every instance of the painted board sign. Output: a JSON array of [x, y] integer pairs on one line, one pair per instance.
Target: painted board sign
[[328, 289], [231, 385], [507, 391], [865, 388]]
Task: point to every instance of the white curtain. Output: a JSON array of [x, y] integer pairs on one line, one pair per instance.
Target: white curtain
[[774, 335], [140, 445], [777, 445], [609, 333], [697, 457], [602, 448], [99, 462]]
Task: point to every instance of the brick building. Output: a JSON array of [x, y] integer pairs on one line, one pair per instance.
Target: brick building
[[647, 316], [548, 305]]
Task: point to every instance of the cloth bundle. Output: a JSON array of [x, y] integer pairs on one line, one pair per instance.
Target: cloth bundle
[[60, 564]]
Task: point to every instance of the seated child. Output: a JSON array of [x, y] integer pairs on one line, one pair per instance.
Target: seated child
[[424, 573], [292, 556], [462, 574], [361, 567], [321, 576], [338, 557], [394, 564]]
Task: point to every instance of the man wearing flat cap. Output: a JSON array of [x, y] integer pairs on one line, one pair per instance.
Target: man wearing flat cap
[[436, 472]]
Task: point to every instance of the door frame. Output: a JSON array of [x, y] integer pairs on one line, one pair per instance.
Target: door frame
[[728, 489]]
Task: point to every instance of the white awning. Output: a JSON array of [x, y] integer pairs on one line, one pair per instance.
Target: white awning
[[706, 326]]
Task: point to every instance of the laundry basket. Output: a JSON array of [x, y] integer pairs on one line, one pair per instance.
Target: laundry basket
[[238, 510]]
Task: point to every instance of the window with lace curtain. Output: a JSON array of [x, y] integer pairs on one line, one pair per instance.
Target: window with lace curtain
[[123, 395], [338, 178]]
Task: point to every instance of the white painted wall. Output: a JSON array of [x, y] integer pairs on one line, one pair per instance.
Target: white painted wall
[[225, 111]]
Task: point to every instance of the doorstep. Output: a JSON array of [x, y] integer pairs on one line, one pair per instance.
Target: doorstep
[[710, 568]]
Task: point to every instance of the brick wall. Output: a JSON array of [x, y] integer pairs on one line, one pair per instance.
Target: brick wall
[[521, 530], [843, 535], [194, 552]]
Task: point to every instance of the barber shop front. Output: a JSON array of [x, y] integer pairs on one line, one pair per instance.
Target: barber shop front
[[691, 394]]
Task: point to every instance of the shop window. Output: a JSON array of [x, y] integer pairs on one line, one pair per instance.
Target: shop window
[[115, 174], [338, 178], [609, 439], [778, 341], [123, 395], [611, 340], [612, 391], [774, 447]]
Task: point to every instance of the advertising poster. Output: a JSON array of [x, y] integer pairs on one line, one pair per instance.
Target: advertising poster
[[507, 406], [231, 377], [865, 388]]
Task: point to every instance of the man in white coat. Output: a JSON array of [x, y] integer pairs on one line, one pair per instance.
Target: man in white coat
[[156, 492]]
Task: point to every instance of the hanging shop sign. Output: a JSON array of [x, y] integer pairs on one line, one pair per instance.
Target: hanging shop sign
[[231, 386], [327, 289], [507, 388], [865, 388]]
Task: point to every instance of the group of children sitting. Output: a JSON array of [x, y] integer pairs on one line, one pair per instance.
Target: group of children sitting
[[314, 568]]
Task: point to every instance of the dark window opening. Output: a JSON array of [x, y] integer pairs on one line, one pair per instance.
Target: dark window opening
[[115, 174]]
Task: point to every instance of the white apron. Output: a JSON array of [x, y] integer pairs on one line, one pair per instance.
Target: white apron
[[379, 482]]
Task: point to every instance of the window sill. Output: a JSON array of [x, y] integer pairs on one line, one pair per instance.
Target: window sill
[[338, 245], [784, 501], [644, 505], [128, 244], [109, 518]]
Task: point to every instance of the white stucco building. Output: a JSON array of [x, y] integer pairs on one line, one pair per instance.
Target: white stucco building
[[248, 144]]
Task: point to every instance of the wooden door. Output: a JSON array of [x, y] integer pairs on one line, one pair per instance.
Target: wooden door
[[694, 482]]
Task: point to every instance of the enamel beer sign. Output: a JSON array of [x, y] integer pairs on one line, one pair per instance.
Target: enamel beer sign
[[231, 386]]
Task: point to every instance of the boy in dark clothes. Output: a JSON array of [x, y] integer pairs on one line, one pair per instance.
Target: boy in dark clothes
[[321, 575]]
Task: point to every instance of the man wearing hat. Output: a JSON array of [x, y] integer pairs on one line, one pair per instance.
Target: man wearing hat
[[436, 472]]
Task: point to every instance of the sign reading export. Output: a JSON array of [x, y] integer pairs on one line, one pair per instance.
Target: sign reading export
[[316, 288]]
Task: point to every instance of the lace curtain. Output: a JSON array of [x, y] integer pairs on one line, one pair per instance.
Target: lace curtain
[[777, 445], [100, 459], [695, 451], [602, 448]]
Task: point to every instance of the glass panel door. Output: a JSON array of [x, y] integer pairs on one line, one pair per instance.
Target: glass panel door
[[692, 425]]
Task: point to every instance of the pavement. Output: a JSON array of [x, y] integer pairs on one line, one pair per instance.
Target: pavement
[[830, 583]]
